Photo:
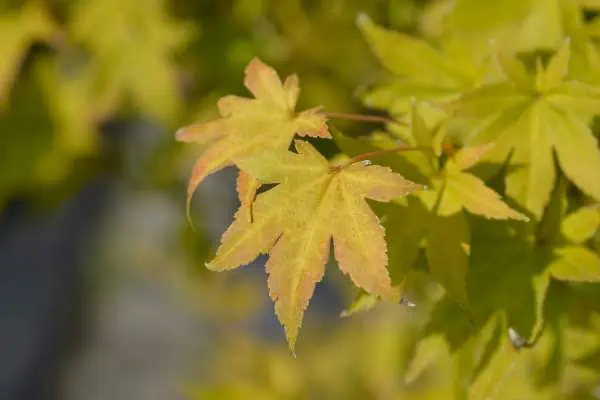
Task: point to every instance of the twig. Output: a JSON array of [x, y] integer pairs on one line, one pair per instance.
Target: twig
[[363, 117]]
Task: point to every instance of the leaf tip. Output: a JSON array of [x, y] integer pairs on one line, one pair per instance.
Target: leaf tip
[[291, 340], [520, 217], [188, 211], [362, 18], [255, 62], [181, 134]]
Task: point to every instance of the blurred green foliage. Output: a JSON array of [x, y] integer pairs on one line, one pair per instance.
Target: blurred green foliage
[[69, 67]]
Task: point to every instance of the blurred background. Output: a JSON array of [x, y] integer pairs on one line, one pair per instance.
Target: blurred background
[[103, 290]]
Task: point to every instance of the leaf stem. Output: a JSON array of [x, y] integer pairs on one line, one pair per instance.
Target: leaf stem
[[363, 117], [371, 154]]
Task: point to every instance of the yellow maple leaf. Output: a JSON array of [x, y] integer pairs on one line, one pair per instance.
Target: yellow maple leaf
[[250, 126], [296, 220]]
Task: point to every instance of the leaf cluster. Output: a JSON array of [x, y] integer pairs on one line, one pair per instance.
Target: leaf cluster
[[508, 223], [522, 119]]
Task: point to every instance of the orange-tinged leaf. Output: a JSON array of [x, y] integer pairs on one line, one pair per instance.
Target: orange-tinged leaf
[[246, 187], [245, 240], [296, 220], [264, 83], [312, 123], [201, 132], [359, 242], [378, 183], [250, 126], [214, 158], [297, 262]]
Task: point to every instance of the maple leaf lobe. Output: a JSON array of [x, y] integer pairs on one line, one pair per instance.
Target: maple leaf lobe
[[296, 221], [250, 126]]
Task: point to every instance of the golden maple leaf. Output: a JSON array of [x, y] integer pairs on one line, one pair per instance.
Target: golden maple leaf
[[249, 126], [295, 221]]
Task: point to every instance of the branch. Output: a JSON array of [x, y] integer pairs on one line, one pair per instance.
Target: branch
[[363, 117]]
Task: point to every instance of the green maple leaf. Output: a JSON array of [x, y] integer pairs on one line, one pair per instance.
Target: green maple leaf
[[507, 283], [419, 69], [508, 272], [405, 224], [521, 26], [511, 268], [450, 338], [573, 261], [444, 228], [530, 117]]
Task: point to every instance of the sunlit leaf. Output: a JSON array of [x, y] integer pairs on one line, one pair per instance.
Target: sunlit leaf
[[296, 220], [409, 56], [477, 198], [467, 157], [246, 187], [251, 126], [558, 67], [514, 71], [533, 127], [422, 71], [409, 165], [581, 225], [576, 264], [578, 153]]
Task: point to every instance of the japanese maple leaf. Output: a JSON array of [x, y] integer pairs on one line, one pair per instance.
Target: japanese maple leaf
[[295, 221], [419, 69], [250, 126], [440, 215], [528, 117]]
